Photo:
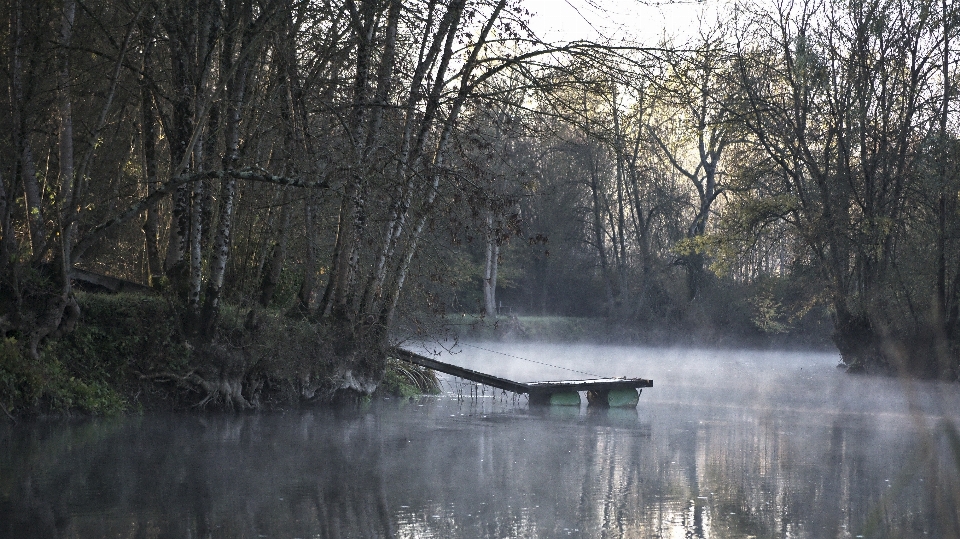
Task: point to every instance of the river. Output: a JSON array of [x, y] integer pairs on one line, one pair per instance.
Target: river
[[727, 444]]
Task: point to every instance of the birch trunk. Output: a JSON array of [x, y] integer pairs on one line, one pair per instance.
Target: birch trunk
[[411, 152], [196, 248], [352, 223], [364, 298], [403, 267], [490, 268], [236, 93], [179, 231], [148, 138]]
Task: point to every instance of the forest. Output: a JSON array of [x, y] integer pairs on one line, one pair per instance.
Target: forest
[[363, 171]]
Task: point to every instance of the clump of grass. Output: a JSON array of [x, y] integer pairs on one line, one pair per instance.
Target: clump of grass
[[405, 380]]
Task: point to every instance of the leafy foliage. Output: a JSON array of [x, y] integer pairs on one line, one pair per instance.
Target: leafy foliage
[[50, 386]]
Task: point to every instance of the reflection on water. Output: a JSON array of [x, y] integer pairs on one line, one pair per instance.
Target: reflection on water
[[727, 444]]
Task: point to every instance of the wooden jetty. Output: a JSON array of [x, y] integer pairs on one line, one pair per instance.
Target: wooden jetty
[[600, 391]]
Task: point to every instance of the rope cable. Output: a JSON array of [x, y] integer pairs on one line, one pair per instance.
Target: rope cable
[[530, 360]]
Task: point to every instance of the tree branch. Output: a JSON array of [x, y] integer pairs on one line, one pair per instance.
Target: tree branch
[[169, 187]]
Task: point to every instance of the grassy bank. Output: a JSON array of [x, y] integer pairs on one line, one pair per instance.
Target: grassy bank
[[129, 353]]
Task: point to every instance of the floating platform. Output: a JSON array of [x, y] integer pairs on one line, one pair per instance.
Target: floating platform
[[614, 392]]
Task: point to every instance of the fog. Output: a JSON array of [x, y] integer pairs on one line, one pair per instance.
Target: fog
[[727, 443]]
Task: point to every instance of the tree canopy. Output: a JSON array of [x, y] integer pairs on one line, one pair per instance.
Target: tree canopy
[[369, 164]]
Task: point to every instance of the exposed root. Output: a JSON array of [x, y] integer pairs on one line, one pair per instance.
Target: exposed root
[[308, 387], [363, 385], [171, 377], [226, 392]]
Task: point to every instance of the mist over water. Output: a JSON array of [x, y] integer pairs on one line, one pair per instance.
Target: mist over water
[[726, 444]]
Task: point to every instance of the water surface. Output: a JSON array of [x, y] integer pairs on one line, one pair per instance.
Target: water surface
[[726, 444]]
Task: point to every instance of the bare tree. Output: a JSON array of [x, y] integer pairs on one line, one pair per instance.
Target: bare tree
[[837, 101]]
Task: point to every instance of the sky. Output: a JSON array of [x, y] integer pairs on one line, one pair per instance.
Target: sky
[[643, 22]]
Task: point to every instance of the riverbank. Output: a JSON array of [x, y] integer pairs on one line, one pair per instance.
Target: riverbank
[[130, 353]]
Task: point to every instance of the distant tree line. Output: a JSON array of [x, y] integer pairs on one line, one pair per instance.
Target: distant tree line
[[362, 163]]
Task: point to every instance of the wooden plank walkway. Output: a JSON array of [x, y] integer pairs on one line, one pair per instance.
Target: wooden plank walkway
[[535, 389], [467, 374]]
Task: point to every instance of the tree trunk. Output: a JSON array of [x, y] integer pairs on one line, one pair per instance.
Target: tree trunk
[[278, 255], [151, 225], [490, 268], [416, 128], [236, 93], [178, 140], [196, 247], [179, 231], [402, 267], [942, 302], [73, 199], [27, 168], [598, 231], [309, 285], [8, 240], [623, 298], [65, 197], [352, 224]]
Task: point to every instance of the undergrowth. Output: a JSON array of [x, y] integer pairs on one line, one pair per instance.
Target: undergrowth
[[129, 352], [51, 386]]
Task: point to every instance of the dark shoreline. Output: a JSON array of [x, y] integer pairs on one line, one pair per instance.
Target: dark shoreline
[[129, 354]]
